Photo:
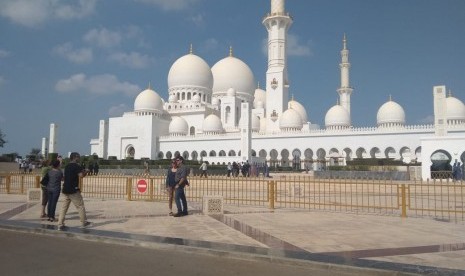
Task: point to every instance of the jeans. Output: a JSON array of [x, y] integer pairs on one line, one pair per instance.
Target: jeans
[[52, 203], [180, 199]]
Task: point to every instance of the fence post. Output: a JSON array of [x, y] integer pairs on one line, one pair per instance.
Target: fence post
[[8, 183], [37, 182], [22, 185], [151, 190], [129, 188], [271, 194], [403, 200]]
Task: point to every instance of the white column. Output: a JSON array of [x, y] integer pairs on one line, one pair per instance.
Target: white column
[[246, 132], [52, 138], [440, 120]]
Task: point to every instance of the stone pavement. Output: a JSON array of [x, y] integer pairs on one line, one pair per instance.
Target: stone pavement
[[366, 244]]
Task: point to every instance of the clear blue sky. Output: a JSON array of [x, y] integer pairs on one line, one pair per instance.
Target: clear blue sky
[[76, 62]]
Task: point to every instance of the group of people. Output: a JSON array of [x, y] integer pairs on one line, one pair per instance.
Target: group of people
[[457, 171], [176, 181], [247, 170], [52, 178]]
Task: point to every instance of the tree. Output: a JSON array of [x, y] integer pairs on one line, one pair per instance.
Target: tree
[[2, 139], [34, 155]]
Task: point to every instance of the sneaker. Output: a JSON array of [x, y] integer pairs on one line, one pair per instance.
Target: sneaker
[[86, 224], [185, 213], [62, 228], [178, 215]]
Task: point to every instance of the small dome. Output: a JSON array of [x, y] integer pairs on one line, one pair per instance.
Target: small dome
[[300, 109], [390, 113], [178, 125], [337, 116], [233, 72], [255, 123], [290, 119], [231, 92], [259, 96], [212, 124], [196, 98], [190, 70], [148, 100], [172, 99], [455, 109], [215, 101]]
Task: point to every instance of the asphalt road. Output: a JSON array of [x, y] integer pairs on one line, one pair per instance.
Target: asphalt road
[[34, 254]]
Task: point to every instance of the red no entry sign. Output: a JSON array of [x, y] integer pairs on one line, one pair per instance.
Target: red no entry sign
[[141, 186]]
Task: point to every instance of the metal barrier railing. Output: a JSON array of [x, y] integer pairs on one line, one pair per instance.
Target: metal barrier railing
[[440, 199]]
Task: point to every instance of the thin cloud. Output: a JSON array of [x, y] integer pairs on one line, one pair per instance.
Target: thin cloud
[[171, 5], [294, 47], [2, 81], [198, 20], [118, 110], [33, 13], [211, 44], [4, 54], [79, 56], [105, 84], [427, 120], [132, 60], [103, 38]]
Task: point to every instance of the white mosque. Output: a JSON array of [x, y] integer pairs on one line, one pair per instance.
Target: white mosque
[[218, 114]]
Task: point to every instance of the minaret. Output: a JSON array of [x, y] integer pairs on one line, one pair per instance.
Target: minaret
[[277, 22], [345, 90], [52, 138]]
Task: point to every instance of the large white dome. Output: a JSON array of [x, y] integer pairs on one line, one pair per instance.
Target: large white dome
[[259, 96], [337, 116], [390, 113], [232, 72], [455, 109], [212, 124], [179, 126], [148, 101], [190, 70], [300, 109], [290, 119]]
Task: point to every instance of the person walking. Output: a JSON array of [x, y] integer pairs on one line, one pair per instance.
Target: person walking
[[44, 171], [203, 168], [55, 176], [73, 171], [181, 182], [170, 184]]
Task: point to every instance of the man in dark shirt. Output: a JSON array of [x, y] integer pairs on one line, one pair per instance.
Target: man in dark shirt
[[73, 172], [181, 181]]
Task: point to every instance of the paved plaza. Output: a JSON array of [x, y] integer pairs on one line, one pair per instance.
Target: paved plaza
[[372, 244]]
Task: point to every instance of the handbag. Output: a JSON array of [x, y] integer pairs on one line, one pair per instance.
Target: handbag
[[44, 180]]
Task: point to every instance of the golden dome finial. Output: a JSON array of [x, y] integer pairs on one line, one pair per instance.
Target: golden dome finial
[[150, 86], [390, 97], [258, 84], [190, 49], [450, 93], [230, 51], [292, 97]]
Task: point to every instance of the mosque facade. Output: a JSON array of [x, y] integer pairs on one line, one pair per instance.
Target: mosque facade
[[218, 114]]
